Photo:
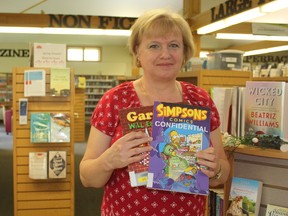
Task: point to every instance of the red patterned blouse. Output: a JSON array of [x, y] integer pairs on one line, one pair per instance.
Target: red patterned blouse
[[120, 198]]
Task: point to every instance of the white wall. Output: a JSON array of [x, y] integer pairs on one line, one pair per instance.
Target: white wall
[[116, 60]]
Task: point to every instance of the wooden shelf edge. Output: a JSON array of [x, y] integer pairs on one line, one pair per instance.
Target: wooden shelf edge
[[257, 151]]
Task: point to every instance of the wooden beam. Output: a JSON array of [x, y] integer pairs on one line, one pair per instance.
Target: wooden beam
[[192, 8], [65, 21]]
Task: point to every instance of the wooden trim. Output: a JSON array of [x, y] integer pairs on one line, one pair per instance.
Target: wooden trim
[[256, 151], [259, 45]]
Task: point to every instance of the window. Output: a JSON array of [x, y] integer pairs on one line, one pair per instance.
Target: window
[[91, 54]]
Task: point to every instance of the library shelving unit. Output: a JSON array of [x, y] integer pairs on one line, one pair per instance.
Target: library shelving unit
[[5, 87], [48, 196], [211, 78], [268, 165], [96, 86], [207, 78]]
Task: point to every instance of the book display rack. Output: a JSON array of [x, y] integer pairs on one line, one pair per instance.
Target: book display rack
[[51, 196]]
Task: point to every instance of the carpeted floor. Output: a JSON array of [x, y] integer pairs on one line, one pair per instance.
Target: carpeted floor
[[87, 200]]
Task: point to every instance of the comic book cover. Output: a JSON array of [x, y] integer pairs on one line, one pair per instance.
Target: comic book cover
[[135, 119], [178, 131]]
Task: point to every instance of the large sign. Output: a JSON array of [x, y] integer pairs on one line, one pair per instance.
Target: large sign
[[14, 53], [99, 22], [66, 21], [232, 7]]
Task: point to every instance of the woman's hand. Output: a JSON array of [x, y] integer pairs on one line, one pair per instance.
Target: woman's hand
[[128, 149], [209, 159]]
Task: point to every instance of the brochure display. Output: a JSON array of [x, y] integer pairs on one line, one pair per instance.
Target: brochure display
[[43, 165]]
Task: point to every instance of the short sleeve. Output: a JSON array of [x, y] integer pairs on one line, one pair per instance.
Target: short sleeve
[[106, 114]]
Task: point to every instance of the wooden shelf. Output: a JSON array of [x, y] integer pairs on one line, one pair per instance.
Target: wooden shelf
[[285, 79], [257, 151]]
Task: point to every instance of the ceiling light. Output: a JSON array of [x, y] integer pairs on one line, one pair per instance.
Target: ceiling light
[[212, 27], [266, 50], [65, 31], [250, 37], [203, 54], [273, 6], [244, 16]]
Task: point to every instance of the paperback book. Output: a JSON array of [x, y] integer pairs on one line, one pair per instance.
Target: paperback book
[[38, 165], [245, 197], [274, 210], [57, 164], [34, 83], [49, 127], [60, 81], [60, 127], [178, 131], [222, 98], [40, 125], [135, 119], [266, 108]]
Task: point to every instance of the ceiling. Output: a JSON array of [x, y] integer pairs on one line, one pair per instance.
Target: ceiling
[[125, 8]]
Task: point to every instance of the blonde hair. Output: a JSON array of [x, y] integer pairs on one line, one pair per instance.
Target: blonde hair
[[161, 22]]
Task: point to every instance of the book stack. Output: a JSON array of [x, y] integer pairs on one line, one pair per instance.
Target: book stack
[[216, 201]]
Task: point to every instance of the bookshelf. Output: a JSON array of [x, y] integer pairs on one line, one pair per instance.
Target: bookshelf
[[96, 86], [5, 87], [207, 79]]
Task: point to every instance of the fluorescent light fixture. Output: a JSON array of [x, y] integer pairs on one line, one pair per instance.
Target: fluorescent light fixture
[[273, 6], [244, 16], [266, 50], [65, 31], [250, 37], [203, 54], [212, 27]]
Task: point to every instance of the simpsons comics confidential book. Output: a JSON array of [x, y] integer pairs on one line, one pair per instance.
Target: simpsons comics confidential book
[[178, 131], [135, 119]]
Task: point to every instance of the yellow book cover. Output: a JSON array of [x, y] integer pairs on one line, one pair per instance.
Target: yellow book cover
[[60, 81]]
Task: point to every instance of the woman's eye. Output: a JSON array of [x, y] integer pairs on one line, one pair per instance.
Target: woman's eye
[[174, 45], [154, 46]]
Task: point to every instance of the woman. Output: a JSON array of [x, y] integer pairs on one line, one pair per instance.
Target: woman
[[161, 42]]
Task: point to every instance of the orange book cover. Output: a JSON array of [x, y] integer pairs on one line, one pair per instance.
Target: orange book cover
[[135, 119]]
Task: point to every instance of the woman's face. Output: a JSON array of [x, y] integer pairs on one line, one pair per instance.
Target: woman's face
[[161, 56]]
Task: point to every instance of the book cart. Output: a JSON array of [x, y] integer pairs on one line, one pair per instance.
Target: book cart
[[48, 196]]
